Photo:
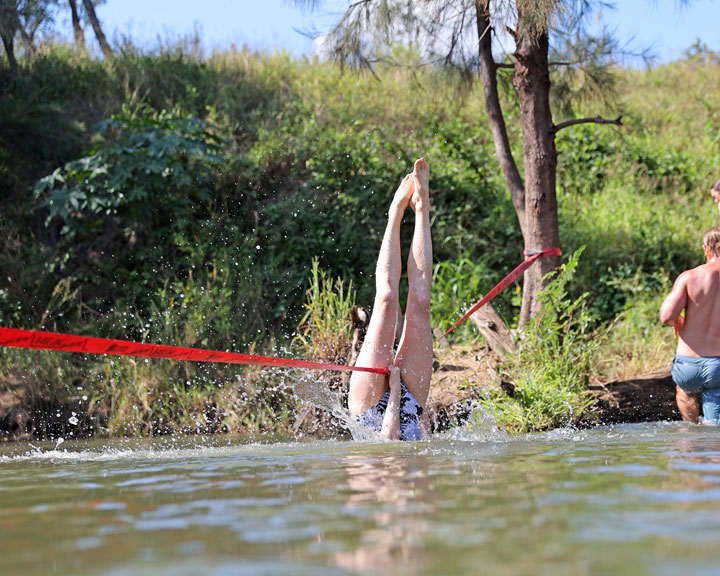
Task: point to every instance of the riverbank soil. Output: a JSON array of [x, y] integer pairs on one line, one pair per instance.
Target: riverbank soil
[[16, 421], [463, 373], [645, 398]]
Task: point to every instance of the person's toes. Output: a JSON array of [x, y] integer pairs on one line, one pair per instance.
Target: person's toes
[[421, 167]]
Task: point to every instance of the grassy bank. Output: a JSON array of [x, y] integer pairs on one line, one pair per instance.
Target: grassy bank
[[192, 215]]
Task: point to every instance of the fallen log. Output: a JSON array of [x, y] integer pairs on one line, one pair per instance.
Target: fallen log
[[645, 398], [492, 327]]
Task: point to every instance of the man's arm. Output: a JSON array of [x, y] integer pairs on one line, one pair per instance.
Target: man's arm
[[675, 303], [715, 193]]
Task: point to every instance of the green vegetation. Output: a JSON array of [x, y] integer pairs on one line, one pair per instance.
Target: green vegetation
[[548, 376], [325, 332], [169, 198]]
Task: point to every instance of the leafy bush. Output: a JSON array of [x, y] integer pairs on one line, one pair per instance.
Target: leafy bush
[[325, 332], [635, 342], [548, 376], [150, 168], [586, 156], [456, 286]]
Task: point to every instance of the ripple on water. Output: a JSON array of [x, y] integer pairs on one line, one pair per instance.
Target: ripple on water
[[590, 499]]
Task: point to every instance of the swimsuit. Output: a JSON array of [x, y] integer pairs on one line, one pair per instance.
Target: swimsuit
[[410, 412], [695, 375]]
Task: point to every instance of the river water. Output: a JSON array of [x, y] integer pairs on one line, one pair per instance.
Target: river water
[[630, 499]]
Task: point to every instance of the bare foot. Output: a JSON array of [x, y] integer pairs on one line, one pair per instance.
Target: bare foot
[[421, 179], [402, 195]]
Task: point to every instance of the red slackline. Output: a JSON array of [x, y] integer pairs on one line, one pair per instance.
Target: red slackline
[[504, 283], [32, 339], [17, 338]]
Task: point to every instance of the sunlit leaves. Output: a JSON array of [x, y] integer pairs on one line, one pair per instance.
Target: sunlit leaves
[[146, 161]]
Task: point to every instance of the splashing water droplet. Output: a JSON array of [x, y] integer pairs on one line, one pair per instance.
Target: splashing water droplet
[[318, 394]]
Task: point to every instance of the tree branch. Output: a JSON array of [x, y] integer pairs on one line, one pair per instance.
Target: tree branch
[[358, 3], [597, 120]]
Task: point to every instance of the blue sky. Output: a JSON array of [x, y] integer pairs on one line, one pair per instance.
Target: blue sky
[[274, 24]]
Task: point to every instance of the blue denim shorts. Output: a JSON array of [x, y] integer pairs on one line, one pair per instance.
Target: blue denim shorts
[[700, 376]]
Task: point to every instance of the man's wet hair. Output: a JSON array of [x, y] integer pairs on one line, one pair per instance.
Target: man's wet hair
[[711, 240], [716, 186]]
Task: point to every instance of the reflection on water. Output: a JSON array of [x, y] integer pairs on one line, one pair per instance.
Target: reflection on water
[[640, 499], [399, 494]]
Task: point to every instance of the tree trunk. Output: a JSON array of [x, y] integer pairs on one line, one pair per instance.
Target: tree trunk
[[9, 45], [77, 26], [531, 80], [488, 72], [9, 24], [95, 23], [534, 200]]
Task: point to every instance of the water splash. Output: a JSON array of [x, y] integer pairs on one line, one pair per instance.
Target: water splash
[[480, 426], [319, 395]]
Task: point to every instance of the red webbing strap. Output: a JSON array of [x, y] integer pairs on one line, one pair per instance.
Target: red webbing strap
[[504, 283], [16, 338]]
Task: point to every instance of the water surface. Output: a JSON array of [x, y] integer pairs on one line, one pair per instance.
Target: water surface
[[632, 499]]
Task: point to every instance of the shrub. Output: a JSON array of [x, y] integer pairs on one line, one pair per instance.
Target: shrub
[[548, 376], [149, 171], [456, 286], [325, 332]]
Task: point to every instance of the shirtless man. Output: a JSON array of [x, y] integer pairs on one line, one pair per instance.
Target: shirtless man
[[393, 405], [696, 367]]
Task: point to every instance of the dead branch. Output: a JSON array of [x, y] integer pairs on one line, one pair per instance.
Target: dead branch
[[596, 120]]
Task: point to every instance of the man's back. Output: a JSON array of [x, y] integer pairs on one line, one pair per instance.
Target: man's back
[[700, 335], [696, 366]]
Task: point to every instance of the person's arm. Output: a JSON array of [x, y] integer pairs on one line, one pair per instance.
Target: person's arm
[[715, 193], [391, 421], [425, 423], [674, 303]]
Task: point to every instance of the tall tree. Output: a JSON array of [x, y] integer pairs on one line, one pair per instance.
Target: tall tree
[[95, 23], [443, 28], [9, 25], [34, 15], [78, 29], [23, 19]]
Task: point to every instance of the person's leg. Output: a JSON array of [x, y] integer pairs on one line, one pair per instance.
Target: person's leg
[[711, 390], [414, 357], [366, 389], [711, 405], [687, 374], [687, 404]]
